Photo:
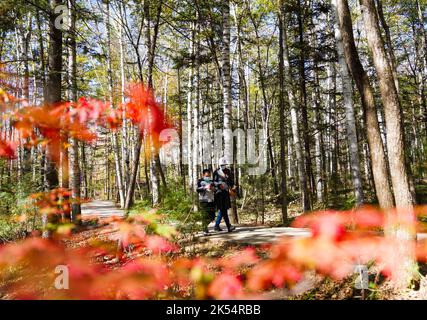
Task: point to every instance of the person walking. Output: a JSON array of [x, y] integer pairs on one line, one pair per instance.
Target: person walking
[[223, 203], [223, 174], [223, 180], [206, 190]]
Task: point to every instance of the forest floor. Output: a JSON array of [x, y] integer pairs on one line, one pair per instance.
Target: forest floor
[[220, 244]]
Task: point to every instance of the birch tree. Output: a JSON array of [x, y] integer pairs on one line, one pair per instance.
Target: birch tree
[[347, 90], [115, 135]]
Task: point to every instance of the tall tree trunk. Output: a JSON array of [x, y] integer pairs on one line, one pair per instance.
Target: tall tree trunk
[[320, 180], [53, 96], [392, 108], [26, 39], [353, 147], [190, 131], [333, 130], [421, 17], [421, 51], [226, 90], [181, 164], [157, 168], [242, 85], [283, 190], [196, 146], [391, 57], [294, 123], [196, 123], [43, 73], [376, 148], [53, 85], [124, 144], [320, 177], [72, 96], [114, 137], [390, 49], [64, 151], [226, 81], [395, 143], [303, 101]]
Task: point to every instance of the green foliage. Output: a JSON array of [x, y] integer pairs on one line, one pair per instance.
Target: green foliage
[[421, 192], [176, 209], [7, 200], [17, 214], [141, 205], [176, 203], [349, 202], [10, 230], [177, 206]]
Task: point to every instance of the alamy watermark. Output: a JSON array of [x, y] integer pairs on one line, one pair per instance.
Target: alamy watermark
[[62, 21], [62, 280], [204, 147]]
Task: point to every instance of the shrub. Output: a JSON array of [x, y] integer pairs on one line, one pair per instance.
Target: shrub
[[176, 208]]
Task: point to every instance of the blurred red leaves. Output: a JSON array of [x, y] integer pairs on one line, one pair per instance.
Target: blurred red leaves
[[54, 202], [143, 110], [158, 244], [5, 98], [272, 273], [156, 269], [226, 286], [7, 149], [246, 257], [333, 224], [50, 125]]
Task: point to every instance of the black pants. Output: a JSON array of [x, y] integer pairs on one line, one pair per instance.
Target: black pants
[[208, 213]]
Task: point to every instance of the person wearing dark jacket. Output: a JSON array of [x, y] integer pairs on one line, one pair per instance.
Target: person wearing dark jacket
[[223, 203], [223, 174], [223, 181], [206, 190]]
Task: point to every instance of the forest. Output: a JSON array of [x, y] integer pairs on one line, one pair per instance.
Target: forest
[[306, 119]]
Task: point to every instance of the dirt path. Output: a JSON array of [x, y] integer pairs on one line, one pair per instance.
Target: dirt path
[[101, 209], [104, 229], [254, 235], [246, 235]]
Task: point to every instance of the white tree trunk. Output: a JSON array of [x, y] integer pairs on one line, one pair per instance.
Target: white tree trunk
[[72, 96], [189, 128], [294, 124], [114, 138], [320, 189], [226, 82], [125, 147], [347, 89]]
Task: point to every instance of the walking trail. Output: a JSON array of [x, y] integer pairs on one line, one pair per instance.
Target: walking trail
[[101, 209], [245, 235], [248, 235], [242, 235]]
